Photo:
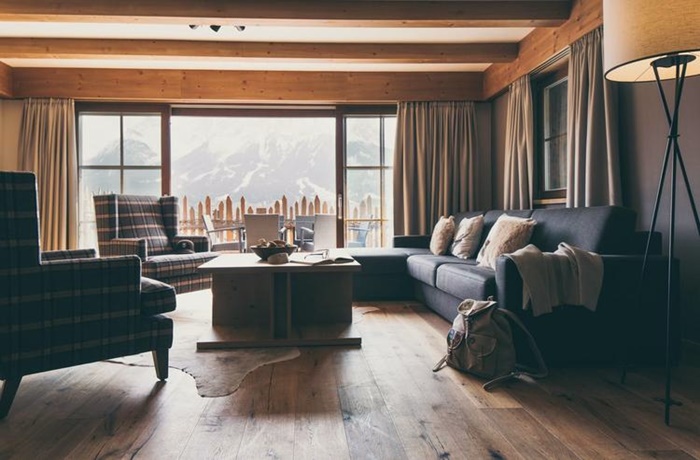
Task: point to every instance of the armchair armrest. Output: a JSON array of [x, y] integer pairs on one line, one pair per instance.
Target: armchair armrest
[[201, 242], [412, 241], [68, 254], [65, 312], [125, 247]]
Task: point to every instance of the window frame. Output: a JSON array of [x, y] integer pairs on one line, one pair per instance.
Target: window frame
[[382, 168], [540, 84], [339, 112], [126, 109]]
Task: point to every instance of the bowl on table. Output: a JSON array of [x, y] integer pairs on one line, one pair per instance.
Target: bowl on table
[[266, 251]]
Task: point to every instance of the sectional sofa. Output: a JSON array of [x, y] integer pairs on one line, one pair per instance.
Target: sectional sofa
[[628, 325]]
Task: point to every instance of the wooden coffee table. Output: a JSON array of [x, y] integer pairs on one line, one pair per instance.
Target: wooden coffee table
[[256, 304]]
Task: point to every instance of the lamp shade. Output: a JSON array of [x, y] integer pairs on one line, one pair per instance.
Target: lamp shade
[[636, 32]]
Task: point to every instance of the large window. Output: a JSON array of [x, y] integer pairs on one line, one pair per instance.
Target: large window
[[551, 115], [226, 162], [369, 154], [118, 152], [260, 164]]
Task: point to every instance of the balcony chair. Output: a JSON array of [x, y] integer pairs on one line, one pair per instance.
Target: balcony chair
[[63, 308], [146, 226], [218, 243], [321, 234], [267, 226], [360, 231]]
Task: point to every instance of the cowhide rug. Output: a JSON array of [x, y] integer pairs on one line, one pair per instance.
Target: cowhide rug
[[216, 372]]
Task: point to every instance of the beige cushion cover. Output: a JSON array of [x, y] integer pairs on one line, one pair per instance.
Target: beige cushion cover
[[442, 236], [467, 237], [507, 235]]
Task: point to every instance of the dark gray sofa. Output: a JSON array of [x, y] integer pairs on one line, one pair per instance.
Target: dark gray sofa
[[627, 326]]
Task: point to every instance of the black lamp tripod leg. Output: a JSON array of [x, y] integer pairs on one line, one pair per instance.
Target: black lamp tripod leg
[[688, 189]]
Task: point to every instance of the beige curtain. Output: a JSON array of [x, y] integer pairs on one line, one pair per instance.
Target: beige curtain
[[47, 147], [519, 156], [434, 163], [592, 148]]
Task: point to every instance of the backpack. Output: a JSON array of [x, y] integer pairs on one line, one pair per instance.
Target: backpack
[[481, 343]]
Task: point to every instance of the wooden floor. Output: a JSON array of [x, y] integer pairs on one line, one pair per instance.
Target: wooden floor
[[381, 401]]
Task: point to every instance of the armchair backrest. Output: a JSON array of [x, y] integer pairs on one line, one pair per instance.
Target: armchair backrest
[[19, 220], [133, 216]]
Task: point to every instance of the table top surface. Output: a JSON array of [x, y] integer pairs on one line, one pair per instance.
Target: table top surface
[[251, 263]]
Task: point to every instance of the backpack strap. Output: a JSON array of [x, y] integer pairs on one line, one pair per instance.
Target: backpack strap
[[540, 372]]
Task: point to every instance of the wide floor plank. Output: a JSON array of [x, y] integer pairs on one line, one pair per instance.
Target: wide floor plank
[[381, 400]]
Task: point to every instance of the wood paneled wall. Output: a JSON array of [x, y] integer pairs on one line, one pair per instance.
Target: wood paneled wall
[[543, 43], [245, 86], [5, 80]]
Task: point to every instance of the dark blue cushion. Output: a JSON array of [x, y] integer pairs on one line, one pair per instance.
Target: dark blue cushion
[[423, 267], [380, 260], [466, 281], [601, 229]]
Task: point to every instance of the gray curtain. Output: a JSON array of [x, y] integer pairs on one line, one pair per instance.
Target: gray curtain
[[434, 163], [47, 147], [519, 156], [592, 143]]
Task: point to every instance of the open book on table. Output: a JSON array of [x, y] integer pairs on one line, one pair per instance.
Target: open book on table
[[321, 258]]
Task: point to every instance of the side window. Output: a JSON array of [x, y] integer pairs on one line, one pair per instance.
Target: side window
[[550, 94], [118, 152]]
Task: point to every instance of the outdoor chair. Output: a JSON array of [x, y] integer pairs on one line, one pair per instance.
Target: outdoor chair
[[64, 308], [218, 243], [259, 226], [360, 232], [147, 226], [321, 234]]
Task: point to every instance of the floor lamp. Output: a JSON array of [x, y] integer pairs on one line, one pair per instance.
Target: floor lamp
[[647, 41]]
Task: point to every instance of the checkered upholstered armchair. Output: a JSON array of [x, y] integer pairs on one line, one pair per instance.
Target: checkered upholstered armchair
[[146, 226], [63, 308]]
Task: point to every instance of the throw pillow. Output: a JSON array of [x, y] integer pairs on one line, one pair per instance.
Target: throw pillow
[[507, 235], [442, 235], [467, 237]]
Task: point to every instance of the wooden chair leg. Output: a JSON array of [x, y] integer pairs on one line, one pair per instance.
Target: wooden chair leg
[[9, 390], [160, 360]]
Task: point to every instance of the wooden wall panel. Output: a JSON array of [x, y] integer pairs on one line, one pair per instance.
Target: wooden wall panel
[[245, 86], [543, 43], [5, 80]]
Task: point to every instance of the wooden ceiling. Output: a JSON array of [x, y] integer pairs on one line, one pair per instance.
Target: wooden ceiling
[[373, 68]]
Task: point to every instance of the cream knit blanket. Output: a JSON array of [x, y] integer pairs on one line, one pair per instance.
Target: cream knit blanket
[[568, 276]]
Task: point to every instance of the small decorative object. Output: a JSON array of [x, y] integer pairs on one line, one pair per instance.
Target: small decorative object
[[278, 259], [265, 249], [184, 247]]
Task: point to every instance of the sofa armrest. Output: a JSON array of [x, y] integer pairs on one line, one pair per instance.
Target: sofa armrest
[[68, 254], [201, 242], [125, 247], [412, 241]]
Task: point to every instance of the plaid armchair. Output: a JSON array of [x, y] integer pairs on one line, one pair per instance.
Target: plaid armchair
[[146, 226], [63, 308]]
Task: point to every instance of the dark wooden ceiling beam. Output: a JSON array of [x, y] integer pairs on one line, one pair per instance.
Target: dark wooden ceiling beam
[[399, 13], [51, 48], [5, 80], [245, 86]]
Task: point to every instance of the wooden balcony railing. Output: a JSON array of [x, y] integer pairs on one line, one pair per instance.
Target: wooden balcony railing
[[225, 213]]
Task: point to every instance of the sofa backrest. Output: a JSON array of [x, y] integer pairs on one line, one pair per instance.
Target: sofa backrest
[[601, 229]]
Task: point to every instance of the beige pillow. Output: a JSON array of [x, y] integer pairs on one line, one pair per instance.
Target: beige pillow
[[442, 236], [467, 237], [507, 235]]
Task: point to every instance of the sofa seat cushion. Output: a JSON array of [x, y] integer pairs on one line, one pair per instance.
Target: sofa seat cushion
[[380, 260], [156, 297], [423, 267], [172, 265], [466, 281]]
